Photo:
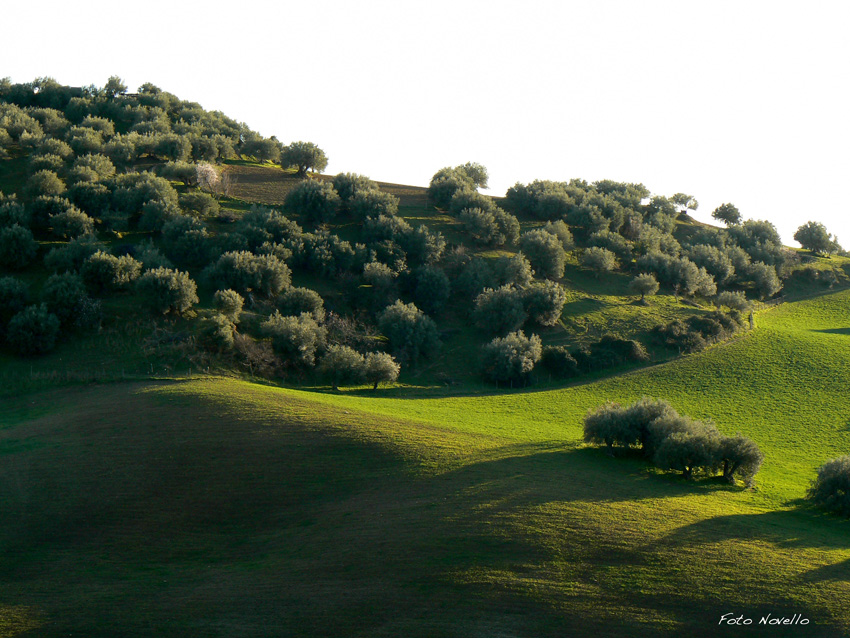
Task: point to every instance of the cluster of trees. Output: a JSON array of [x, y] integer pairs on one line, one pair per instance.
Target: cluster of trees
[[510, 360], [699, 331], [673, 441]]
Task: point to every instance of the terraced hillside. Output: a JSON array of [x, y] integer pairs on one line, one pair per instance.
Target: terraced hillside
[[221, 508]]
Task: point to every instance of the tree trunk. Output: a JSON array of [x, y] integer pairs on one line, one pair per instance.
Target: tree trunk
[[375, 387]]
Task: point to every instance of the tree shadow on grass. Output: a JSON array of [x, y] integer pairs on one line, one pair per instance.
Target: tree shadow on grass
[[835, 331]]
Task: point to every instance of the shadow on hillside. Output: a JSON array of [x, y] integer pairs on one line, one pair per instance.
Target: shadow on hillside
[[838, 571], [835, 331], [784, 528]]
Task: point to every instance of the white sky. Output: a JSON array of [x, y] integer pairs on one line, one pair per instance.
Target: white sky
[[742, 102]]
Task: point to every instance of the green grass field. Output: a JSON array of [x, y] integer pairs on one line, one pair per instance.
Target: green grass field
[[217, 507]]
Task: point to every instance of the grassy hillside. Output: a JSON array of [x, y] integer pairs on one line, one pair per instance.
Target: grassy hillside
[[221, 508]]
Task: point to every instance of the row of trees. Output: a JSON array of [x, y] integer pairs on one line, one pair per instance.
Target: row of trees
[[673, 441]]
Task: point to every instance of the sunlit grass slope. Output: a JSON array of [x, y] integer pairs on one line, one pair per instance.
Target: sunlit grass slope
[[221, 508]]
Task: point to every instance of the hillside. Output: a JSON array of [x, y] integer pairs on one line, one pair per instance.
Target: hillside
[[221, 508]]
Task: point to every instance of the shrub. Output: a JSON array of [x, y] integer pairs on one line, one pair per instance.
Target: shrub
[[608, 352], [14, 295], [33, 331], [544, 302], [217, 332], [348, 185], [17, 247], [558, 362], [294, 301], [296, 339], [342, 365], [380, 367], [831, 489], [103, 272], [431, 289], [545, 253], [500, 311], [163, 290], [245, 272], [740, 456], [71, 256], [199, 204], [71, 223], [644, 284], [315, 201], [13, 212], [372, 203], [44, 182], [511, 359], [65, 296], [411, 333], [229, 304]]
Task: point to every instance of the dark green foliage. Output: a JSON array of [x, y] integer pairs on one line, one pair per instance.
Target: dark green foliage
[[481, 226], [815, 237], [372, 203], [33, 331], [170, 146], [760, 240], [558, 362], [216, 332], [71, 223], [431, 289], [544, 302], [678, 272], [613, 242], [295, 339], [198, 204], [186, 241], [43, 183], [715, 261], [511, 359], [698, 331], [765, 280], [163, 290], [411, 333], [151, 257], [562, 232], [475, 173], [101, 165], [728, 214], [229, 303], [475, 276], [599, 260], [445, 183], [131, 191], [157, 213], [383, 227], [380, 367], [608, 352], [13, 212], [831, 489], [52, 163], [315, 201], [515, 270], [65, 296], [263, 150], [342, 365], [466, 199], [91, 197], [644, 284], [71, 256], [246, 272], [14, 295], [261, 225], [179, 171], [609, 426], [103, 272], [53, 146], [84, 140], [294, 301], [545, 253], [422, 246], [17, 247], [303, 156], [347, 185], [688, 451], [741, 457], [500, 311], [736, 300]]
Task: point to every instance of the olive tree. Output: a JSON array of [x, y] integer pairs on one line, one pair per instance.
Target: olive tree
[[17, 247], [815, 237], [303, 156], [342, 365], [644, 284], [164, 291], [545, 253], [728, 214], [500, 311], [380, 367], [313, 200], [296, 339], [599, 260], [831, 489], [544, 302], [103, 272], [229, 304], [33, 330], [511, 359], [411, 333], [295, 300]]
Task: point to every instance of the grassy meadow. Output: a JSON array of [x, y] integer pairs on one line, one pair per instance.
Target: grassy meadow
[[217, 507]]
